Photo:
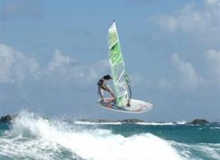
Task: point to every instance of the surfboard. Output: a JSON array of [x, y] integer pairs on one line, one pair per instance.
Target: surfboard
[[121, 80], [136, 106]]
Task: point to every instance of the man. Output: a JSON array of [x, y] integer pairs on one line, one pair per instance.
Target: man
[[102, 86]]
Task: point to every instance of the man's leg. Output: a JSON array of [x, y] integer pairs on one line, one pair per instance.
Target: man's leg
[[100, 92], [128, 104], [108, 89], [112, 94]]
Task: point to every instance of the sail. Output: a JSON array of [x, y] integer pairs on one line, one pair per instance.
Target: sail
[[120, 79]]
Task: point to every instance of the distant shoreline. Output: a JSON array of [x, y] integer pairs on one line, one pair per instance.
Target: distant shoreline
[[8, 118]]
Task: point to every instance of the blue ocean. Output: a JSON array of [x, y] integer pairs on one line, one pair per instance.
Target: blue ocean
[[33, 137]]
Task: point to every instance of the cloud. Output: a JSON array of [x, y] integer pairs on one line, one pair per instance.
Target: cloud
[[214, 58], [14, 65], [188, 76], [59, 61], [66, 68], [184, 19], [202, 22], [211, 2], [18, 8]]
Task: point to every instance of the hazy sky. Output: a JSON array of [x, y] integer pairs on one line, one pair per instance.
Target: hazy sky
[[53, 52]]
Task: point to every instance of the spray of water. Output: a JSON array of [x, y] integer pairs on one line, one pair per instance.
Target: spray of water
[[38, 138]]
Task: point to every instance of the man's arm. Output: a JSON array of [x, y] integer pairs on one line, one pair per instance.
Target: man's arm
[[105, 88]]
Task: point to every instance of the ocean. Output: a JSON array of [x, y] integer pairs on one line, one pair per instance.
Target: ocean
[[33, 137]]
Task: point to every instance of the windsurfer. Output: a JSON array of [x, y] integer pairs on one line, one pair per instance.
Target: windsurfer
[[102, 86]]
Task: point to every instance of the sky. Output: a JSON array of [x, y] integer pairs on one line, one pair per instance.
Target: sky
[[52, 54]]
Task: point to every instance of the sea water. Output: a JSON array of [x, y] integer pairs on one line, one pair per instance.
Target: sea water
[[31, 137]]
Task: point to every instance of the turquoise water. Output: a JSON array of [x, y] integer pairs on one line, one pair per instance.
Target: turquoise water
[[31, 137]]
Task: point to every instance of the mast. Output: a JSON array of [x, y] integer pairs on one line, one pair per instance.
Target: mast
[[117, 64]]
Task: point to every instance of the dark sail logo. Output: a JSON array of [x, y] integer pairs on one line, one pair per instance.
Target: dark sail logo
[[114, 55]]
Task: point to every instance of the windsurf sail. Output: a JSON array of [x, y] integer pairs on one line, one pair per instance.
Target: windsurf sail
[[120, 78]]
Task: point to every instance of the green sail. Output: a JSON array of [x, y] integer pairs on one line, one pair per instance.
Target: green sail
[[117, 66]]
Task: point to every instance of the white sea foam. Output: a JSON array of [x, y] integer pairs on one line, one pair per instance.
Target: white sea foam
[[181, 122], [156, 123], [214, 127], [207, 150], [97, 123], [38, 138]]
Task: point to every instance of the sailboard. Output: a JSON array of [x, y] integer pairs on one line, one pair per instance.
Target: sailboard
[[121, 80]]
